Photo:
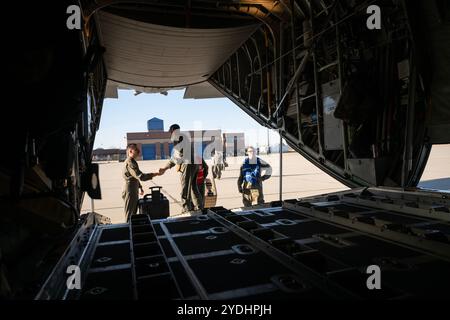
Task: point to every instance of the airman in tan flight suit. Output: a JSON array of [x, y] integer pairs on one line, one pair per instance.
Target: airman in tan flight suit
[[191, 198], [133, 176]]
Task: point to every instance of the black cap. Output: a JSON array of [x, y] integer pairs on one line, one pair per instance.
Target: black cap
[[174, 127]]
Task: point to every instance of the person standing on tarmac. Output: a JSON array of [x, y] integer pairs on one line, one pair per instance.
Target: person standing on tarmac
[[190, 194], [132, 176], [219, 165], [250, 179]]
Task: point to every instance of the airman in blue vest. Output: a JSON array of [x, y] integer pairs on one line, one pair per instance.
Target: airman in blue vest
[[250, 178]]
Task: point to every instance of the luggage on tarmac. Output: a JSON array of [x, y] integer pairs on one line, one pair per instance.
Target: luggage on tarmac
[[210, 194], [155, 204]]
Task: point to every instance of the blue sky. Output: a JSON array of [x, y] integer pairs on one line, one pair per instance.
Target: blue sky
[[130, 113]]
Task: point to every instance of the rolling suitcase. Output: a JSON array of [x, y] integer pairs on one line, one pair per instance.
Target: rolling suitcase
[[155, 204], [210, 194]]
